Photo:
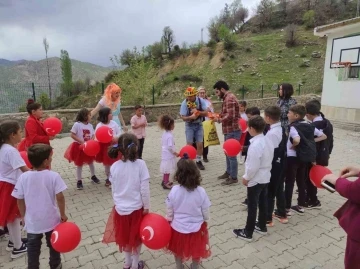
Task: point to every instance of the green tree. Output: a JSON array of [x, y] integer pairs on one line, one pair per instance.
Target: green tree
[[168, 38], [66, 72], [309, 19]]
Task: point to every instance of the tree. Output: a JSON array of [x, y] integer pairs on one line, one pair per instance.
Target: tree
[[168, 38], [309, 19], [265, 11], [66, 72], [46, 47], [291, 35], [157, 50], [126, 57], [283, 5], [213, 29]]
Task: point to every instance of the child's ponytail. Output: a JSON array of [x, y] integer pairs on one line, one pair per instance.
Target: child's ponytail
[[127, 146], [113, 151]]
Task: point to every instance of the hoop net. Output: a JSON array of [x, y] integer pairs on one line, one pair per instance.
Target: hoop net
[[345, 66]]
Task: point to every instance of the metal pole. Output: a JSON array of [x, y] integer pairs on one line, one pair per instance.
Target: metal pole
[[243, 92], [153, 95], [358, 8], [33, 89], [202, 30], [262, 91], [102, 87], [299, 89]]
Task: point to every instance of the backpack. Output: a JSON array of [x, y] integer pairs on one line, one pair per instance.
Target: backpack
[[279, 152], [324, 148], [306, 150]]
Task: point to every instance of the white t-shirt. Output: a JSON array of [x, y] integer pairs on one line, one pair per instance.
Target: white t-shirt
[[167, 146], [10, 163], [39, 189], [187, 207], [244, 116], [274, 135], [130, 186], [293, 134], [83, 131], [113, 126]]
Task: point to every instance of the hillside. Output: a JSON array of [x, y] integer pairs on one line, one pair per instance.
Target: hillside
[[259, 59], [19, 72]]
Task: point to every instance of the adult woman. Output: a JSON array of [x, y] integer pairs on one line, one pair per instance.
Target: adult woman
[[285, 102], [112, 100], [34, 129]]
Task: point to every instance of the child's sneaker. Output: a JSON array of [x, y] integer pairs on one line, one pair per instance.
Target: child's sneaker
[[167, 186], [281, 219], [10, 244], [107, 183], [245, 203], [316, 205], [79, 185], [260, 231], [298, 209], [241, 233], [270, 223], [95, 179], [288, 213], [16, 253]]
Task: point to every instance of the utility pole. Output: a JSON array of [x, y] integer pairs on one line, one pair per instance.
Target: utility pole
[[202, 30], [358, 8]]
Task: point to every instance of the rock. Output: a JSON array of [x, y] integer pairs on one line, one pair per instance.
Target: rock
[[316, 54], [280, 51], [297, 56], [246, 65], [220, 67], [253, 73], [276, 60], [261, 59], [240, 69], [305, 63], [287, 71], [269, 58]]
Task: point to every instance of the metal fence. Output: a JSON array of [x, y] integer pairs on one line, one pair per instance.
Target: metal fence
[[13, 97]]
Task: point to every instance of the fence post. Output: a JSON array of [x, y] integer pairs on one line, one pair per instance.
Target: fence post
[[153, 95], [33, 90], [102, 87], [262, 91], [299, 89], [243, 92]]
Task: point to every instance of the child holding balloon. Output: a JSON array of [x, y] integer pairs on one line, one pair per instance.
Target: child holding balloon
[[36, 192], [11, 167], [168, 153], [81, 132], [105, 119], [131, 194], [188, 211]]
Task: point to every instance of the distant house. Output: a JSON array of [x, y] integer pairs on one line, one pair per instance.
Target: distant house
[[341, 88]]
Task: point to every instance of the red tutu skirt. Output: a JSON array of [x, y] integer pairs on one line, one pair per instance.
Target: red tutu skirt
[[124, 230], [77, 155], [9, 210], [103, 157], [193, 246]]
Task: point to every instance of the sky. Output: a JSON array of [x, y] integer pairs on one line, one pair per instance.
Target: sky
[[93, 30]]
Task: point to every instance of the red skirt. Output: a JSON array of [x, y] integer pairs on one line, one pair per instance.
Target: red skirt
[[103, 157], [9, 210], [124, 230], [77, 155], [193, 246]]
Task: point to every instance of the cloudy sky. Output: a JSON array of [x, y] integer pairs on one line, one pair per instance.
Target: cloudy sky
[[94, 30]]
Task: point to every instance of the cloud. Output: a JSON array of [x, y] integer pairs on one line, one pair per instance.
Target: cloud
[[93, 31]]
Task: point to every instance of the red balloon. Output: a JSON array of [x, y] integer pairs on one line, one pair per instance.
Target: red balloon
[[242, 124], [242, 140], [104, 134], [155, 231], [91, 147], [52, 126], [65, 237], [232, 147], [24, 155], [317, 172], [190, 150]]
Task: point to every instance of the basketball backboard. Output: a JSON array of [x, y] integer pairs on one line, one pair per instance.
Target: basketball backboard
[[346, 49]]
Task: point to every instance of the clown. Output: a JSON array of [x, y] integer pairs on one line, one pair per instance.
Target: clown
[[192, 111]]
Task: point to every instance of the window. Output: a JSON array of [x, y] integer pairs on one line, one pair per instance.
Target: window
[[354, 72]]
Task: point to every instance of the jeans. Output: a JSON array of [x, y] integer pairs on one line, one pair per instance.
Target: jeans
[[295, 171], [276, 190], [257, 196], [194, 131], [231, 162], [141, 147], [34, 249]]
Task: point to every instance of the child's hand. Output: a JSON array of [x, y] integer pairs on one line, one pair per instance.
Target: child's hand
[[245, 182], [145, 211], [349, 171], [64, 218]]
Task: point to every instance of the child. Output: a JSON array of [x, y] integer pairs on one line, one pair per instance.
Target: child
[[138, 124], [301, 150], [188, 211], [323, 149], [105, 118], [36, 192], [276, 135], [349, 214], [256, 178], [11, 167], [81, 132], [168, 153], [131, 194], [242, 107]]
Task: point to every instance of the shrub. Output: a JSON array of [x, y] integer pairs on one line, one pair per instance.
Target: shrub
[[211, 44], [44, 100], [291, 37], [230, 42], [192, 78], [309, 19]]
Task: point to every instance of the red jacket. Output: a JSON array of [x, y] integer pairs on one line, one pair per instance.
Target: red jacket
[[34, 133], [349, 214]]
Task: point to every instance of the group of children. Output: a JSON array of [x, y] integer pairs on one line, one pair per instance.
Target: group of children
[[276, 158]]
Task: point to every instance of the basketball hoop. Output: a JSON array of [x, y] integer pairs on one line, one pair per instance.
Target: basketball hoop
[[342, 68]]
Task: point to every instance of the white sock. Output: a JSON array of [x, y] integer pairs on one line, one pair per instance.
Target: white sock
[[107, 171], [136, 258], [92, 169], [78, 172], [128, 260], [198, 158], [15, 233]]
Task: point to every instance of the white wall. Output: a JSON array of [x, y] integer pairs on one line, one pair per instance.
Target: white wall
[[344, 94]]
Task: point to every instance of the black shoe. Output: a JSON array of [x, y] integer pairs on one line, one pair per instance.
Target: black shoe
[[95, 180], [245, 203], [259, 230], [316, 205], [107, 183], [230, 181], [205, 160], [16, 253], [10, 244], [79, 185], [224, 176], [298, 209], [241, 233], [200, 165]]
